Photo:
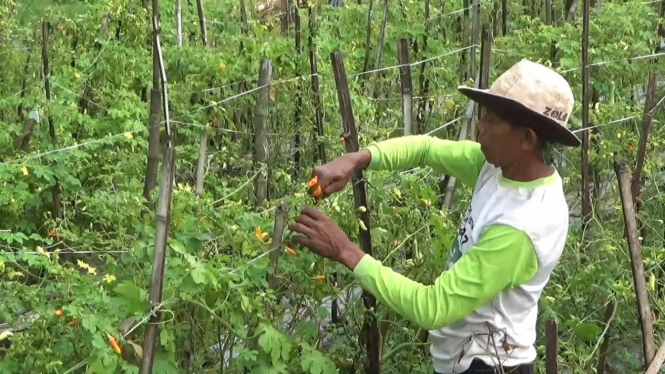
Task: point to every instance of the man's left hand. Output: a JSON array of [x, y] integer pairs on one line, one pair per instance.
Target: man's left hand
[[322, 235]]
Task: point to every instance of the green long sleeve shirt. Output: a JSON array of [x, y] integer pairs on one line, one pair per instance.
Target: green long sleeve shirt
[[478, 275]]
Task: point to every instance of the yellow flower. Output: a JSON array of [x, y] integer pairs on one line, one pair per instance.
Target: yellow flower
[[24, 170], [108, 278], [260, 234], [128, 135]]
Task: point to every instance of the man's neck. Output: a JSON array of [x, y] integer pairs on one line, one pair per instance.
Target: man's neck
[[528, 171]]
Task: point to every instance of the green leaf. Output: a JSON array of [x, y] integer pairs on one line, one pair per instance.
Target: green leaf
[[274, 343], [177, 246], [314, 362], [587, 331]]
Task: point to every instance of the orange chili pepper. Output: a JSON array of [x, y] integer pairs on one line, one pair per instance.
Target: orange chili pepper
[[58, 312], [114, 344], [313, 181], [341, 139], [320, 278], [319, 192], [396, 243], [290, 251]]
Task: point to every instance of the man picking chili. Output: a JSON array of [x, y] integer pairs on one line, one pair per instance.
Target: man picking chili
[[481, 312]]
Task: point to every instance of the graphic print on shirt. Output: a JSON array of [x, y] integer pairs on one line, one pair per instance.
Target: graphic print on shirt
[[463, 236]]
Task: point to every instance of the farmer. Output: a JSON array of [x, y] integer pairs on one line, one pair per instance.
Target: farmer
[[481, 312]]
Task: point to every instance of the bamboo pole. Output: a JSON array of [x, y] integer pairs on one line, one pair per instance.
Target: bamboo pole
[[163, 220], [643, 307], [370, 328], [406, 85], [552, 347], [56, 211], [586, 185], [318, 107], [178, 22], [261, 130], [203, 149], [649, 107], [605, 347], [155, 114]]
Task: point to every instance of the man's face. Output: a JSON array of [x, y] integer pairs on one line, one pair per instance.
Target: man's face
[[501, 143]]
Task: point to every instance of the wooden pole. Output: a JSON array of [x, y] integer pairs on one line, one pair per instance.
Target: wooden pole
[[657, 362], [643, 308], [298, 93], [605, 347], [202, 22], [485, 63], [56, 211], [178, 22], [155, 114], [475, 35], [370, 328], [261, 132], [163, 221], [284, 16], [424, 82], [318, 107], [281, 215], [551, 347], [586, 170], [406, 84], [649, 108], [467, 124], [203, 149], [504, 16]]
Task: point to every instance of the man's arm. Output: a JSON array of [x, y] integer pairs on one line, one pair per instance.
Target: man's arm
[[474, 280], [460, 159]]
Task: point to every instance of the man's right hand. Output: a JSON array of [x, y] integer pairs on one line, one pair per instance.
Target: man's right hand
[[336, 174]]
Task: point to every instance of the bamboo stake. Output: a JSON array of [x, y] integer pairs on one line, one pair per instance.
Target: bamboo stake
[[370, 328], [463, 135], [368, 37], [475, 34], [485, 63], [657, 362], [200, 167], [424, 82], [406, 84], [202, 22], [318, 107], [163, 219], [649, 106], [298, 93], [586, 196], [604, 349], [261, 138], [56, 211], [551, 347], [155, 114], [178, 22], [643, 308]]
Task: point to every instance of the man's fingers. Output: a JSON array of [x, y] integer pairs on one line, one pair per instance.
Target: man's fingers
[[334, 186], [301, 229], [313, 213], [303, 241], [305, 220]]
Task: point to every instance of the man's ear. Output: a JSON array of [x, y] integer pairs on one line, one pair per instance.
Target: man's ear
[[529, 140]]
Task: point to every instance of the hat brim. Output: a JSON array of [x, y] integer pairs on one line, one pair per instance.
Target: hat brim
[[508, 108]]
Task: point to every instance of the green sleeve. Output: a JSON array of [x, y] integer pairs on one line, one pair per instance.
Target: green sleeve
[[476, 278], [460, 159]]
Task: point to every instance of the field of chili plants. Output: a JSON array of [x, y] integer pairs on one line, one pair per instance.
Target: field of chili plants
[[152, 154]]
